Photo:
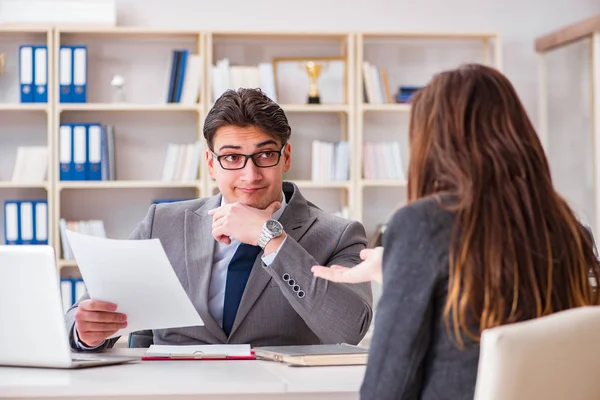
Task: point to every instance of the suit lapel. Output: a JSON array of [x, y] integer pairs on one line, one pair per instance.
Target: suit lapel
[[199, 249], [295, 220]]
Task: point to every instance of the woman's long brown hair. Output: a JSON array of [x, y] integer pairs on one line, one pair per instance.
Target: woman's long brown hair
[[518, 252]]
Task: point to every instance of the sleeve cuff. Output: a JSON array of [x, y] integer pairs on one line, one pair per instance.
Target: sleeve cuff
[[80, 344], [268, 260]]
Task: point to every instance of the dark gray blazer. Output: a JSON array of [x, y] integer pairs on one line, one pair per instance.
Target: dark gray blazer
[[412, 355], [270, 312]]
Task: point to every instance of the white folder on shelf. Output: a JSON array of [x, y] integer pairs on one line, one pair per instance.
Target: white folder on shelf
[[65, 73], [41, 74], [41, 222], [79, 152], [26, 73], [27, 222], [11, 222]]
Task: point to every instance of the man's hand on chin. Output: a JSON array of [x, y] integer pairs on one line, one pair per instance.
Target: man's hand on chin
[[243, 223]]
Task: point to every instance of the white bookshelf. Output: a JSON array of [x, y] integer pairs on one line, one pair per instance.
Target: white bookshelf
[[24, 124], [410, 59], [144, 123], [19, 185], [25, 107], [382, 183]]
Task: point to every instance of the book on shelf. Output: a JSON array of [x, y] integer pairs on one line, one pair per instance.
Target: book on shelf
[[90, 228], [375, 84], [382, 160], [330, 161], [405, 93], [161, 201], [226, 76], [25, 222], [31, 165], [184, 77], [87, 152], [182, 162]]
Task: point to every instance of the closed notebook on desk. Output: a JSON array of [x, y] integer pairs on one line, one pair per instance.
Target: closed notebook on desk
[[200, 352], [314, 355]]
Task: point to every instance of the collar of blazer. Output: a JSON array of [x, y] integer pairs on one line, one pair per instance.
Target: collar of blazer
[[199, 250]]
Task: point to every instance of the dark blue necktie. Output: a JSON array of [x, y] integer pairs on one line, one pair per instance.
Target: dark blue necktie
[[238, 272]]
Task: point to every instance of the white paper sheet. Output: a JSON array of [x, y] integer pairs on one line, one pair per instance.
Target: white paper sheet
[[230, 350], [138, 277]]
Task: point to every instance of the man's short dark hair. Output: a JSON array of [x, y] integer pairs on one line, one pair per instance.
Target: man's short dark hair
[[247, 107]]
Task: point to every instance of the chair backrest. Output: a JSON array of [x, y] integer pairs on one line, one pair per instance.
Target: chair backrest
[[555, 357]]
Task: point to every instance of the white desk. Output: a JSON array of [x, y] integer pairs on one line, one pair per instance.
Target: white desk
[[219, 380]]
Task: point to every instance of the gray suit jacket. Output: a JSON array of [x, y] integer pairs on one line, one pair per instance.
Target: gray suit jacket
[[270, 312], [412, 356]]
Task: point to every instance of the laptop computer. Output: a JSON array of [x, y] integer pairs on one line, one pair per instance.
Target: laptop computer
[[34, 333]]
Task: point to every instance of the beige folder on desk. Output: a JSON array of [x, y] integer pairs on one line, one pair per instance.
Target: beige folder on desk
[[315, 355]]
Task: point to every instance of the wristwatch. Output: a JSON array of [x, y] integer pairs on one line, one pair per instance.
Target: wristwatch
[[271, 229]]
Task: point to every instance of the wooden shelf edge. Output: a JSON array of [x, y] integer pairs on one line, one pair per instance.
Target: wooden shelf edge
[[65, 107], [567, 34], [83, 185]]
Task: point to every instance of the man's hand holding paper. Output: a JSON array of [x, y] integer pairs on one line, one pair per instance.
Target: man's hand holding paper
[[127, 278]]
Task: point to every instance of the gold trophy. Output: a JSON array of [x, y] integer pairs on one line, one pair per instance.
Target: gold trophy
[[313, 70], [2, 62]]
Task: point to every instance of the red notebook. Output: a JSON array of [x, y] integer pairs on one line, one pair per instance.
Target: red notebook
[[200, 352]]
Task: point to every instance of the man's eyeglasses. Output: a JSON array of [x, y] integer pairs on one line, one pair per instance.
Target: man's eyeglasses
[[262, 159]]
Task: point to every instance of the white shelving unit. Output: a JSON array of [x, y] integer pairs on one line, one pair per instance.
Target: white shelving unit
[[410, 58], [23, 124], [144, 123]]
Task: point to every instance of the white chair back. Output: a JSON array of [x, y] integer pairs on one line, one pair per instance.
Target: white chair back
[[556, 357]]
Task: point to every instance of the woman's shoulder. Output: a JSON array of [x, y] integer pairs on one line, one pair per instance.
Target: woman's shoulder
[[429, 212]]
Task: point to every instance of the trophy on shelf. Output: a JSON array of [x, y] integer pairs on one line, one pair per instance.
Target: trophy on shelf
[[117, 83], [313, 69], [2, 62]]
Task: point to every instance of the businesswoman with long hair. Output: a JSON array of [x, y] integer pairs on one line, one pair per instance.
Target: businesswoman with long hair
[[485, 240]]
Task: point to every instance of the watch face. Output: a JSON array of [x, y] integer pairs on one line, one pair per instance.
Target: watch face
[[274, 226]]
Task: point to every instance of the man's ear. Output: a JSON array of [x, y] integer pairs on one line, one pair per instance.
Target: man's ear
[[287, 153], [210, 163]]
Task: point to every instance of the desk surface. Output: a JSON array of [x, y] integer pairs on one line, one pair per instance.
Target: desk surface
[[184, 379]]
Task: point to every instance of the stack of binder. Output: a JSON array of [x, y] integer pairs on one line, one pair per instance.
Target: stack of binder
[[71, 290], [72, 74], [25, 222], [33, 73], [86, 152]]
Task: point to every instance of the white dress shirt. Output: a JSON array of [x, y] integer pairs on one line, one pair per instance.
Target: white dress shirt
[[221, 258]]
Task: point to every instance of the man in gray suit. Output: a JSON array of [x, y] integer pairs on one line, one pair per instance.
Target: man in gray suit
[[245, 255]]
